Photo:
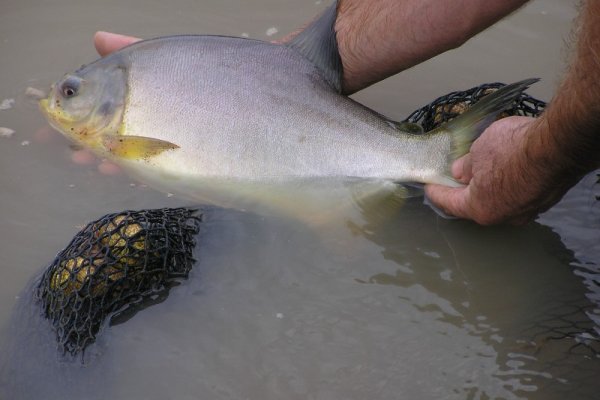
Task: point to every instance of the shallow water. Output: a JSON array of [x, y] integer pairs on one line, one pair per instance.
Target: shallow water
[[421, 308]]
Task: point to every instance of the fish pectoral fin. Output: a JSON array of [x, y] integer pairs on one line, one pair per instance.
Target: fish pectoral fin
[[379, 201], [135, 147]]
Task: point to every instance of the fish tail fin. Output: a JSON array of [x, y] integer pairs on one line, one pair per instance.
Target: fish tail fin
[[467, 127]]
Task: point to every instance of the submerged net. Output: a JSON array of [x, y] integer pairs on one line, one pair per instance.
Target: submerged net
[[453, 104], [113, 263]]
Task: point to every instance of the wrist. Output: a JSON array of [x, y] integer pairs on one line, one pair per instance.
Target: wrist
[[546, 163], [565, 138]]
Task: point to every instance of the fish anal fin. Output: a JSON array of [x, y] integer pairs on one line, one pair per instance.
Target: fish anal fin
[[135, 147], [378, 201]]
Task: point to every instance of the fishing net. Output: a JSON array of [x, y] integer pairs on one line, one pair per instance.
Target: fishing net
[[453, 104], [113, 264]]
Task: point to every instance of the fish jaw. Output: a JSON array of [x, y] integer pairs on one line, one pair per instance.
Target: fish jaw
[[55, 117], [75, 132]]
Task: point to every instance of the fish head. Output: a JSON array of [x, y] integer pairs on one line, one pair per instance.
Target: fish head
[[88, 103]]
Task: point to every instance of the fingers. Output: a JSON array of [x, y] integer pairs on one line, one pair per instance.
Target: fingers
[[460, 203], [451, 200], [106, 42], [462, 169]]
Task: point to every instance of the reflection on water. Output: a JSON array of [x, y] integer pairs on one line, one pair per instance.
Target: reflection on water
[[444, 309], [549, 341], [418, 307]]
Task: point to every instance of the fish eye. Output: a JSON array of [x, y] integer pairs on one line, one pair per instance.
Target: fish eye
[[70, 87], [69, 91]]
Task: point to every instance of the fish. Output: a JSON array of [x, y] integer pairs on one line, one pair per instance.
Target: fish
[[254, 125]]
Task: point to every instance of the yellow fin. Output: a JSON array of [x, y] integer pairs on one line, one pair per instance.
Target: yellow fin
[[135, 147], [379, 201]]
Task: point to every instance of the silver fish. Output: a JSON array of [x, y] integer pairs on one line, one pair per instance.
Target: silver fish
[[249, 124]]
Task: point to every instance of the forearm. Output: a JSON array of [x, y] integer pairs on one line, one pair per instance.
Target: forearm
[[566, 141], [379, 38]]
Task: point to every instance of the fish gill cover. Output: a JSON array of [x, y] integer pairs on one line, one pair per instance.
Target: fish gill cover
[[113, 264]]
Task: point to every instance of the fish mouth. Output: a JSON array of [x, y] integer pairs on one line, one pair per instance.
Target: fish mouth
[[44, 105], [53, 117]]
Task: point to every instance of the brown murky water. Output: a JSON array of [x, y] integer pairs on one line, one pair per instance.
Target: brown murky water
[[424, 308]]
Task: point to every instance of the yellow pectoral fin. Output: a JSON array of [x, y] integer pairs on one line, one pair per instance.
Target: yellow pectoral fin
[[135, 147]]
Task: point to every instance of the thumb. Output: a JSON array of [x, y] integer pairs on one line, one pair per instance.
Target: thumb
[[451, 200]]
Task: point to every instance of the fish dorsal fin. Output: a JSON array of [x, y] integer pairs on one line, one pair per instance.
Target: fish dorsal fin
[[317, 42]]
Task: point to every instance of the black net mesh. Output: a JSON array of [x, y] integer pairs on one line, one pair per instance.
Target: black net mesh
[[449, 106], [115, 262]]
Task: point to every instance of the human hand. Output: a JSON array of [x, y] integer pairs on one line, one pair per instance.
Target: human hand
[[504, 184], [106, 42]]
